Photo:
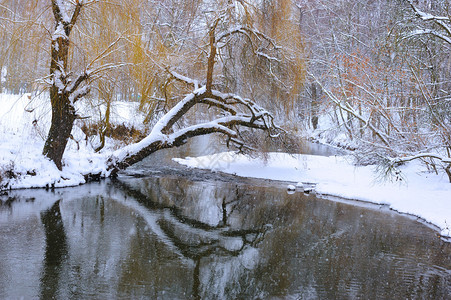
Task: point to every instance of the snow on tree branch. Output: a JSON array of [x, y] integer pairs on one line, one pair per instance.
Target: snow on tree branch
[[235, 111], [430, 32], [399, 160], [345, 106], [426, 16], [446, 161], [61, 13], [443, 22], [184, 79], [249, 32]]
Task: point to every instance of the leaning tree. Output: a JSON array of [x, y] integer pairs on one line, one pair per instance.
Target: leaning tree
[[224, 25]]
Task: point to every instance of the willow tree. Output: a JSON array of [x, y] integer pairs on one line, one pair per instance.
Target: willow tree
[[205, 82], [182, 58], [21, 41]]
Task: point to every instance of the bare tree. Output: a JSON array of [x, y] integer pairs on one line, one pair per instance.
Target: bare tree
[[433, 24], [384, 70], [64, 90]]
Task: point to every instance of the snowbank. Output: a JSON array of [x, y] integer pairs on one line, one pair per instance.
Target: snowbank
[[24, 124], [425, 195]]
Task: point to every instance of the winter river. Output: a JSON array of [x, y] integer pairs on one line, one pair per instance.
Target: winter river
[[168, 233]]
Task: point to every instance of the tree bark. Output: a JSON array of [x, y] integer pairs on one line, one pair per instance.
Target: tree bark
[[63, 111], [448, 172], [63, 117]]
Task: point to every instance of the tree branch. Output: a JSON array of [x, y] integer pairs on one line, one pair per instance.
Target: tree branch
[[211, 57], [440, 21], [159, 138]]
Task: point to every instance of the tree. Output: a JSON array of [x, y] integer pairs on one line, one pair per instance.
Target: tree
[[383, 68], [225, 25], [439, 25], [436, 93], [64, 90], [232, 111], [21, 55]]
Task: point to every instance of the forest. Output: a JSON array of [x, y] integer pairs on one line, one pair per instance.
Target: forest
[[370, 76], [228, 149]]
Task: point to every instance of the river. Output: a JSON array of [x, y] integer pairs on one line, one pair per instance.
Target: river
[[163, 232]]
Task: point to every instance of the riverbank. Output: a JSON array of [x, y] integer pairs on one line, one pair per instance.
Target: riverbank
[[23, 127], [24, 124], [413, 191]]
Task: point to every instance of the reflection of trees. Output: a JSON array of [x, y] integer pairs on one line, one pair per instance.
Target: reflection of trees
[[198, 241], [55, 251], [152, 238], [316, 248]]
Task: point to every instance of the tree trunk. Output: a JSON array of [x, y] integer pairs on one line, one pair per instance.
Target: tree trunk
[[63, 111], [63, 117], [448, 172], [314, 106]]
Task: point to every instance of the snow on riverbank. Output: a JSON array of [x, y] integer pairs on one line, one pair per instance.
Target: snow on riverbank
[[425, 195], [24, 123]]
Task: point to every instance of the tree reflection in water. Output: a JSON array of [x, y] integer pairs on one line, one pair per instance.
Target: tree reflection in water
[[173, 238], [197, 241], [315, 248], [56, 251]]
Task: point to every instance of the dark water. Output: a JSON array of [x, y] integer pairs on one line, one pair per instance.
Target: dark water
[[209, 238], [171, 233]]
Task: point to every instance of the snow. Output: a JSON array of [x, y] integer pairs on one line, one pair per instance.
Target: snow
[[429, 31], [161, 124], [4, 73], [59, 32], [63, 10], [24, 123], [186, 79], [425, 195]]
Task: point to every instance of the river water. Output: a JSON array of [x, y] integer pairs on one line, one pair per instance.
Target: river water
[[168, 233]]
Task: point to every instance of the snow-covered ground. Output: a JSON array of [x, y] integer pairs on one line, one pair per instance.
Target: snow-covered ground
[[24, 122], [425, 195]]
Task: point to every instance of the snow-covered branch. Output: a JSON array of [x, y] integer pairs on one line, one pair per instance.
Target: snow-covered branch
[[235, 112], [345, 106], [249, 32], [446, 161], [429, 32], [182, 78], [61, 13], [399, 160], [443, 22]]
